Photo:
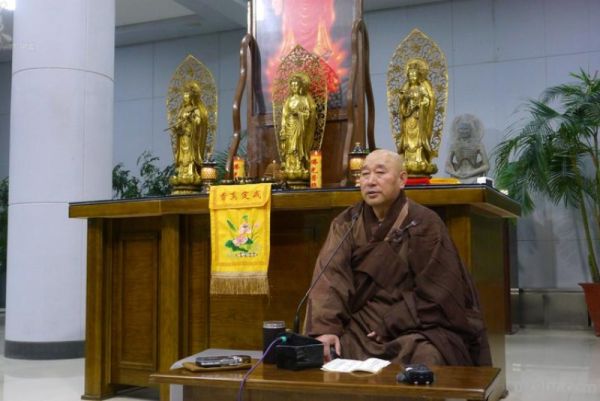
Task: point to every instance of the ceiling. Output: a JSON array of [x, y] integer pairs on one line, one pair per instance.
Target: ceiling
[[150, 20], [139, 21]]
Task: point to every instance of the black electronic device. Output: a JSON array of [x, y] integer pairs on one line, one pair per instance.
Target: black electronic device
[[415, 374], [299, 352], [222, 360]]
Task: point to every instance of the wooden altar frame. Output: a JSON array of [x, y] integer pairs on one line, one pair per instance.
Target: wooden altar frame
[[148, 267], [348, 123]]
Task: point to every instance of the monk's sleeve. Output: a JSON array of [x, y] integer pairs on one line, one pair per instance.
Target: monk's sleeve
[[439, 295], [328, 308]]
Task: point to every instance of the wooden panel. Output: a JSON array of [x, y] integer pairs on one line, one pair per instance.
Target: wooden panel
[[196, 262], [135, 302], [458, 221], [335, 148], [97, 361], [236, 321], [487, 268], [169, 312]]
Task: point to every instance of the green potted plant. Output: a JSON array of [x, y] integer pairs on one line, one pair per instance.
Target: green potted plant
[[153, 180], [554, 153]]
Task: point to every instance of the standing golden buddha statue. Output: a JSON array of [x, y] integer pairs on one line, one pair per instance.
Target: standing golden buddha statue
[[192, 116], [189, 137], [417, 89], [299, 96], [417, 111], [298, 123]]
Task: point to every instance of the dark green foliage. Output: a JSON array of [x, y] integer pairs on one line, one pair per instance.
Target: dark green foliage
[[154, 181], [125, 186], [553, 152]]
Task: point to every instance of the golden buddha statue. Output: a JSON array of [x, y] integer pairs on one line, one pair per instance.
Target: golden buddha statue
[[298, 124], [189, 137], [417, 105], [417, 88]]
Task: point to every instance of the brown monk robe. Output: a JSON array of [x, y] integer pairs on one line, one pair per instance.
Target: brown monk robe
[[396, 289]]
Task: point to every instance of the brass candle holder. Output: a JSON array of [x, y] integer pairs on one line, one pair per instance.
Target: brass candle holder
[[208, 173], [356, 159]]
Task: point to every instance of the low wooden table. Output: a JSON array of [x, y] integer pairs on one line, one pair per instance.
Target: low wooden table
[[268, 383]]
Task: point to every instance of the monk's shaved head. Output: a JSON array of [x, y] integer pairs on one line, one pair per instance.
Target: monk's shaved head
[[381, 179], [393, 159]]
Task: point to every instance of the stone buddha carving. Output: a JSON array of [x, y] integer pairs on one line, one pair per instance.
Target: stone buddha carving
[[467, 159]]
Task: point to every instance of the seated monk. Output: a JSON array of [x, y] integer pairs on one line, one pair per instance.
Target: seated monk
[[396, 288]]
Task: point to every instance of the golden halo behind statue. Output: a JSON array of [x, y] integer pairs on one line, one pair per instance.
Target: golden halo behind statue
[[191, 75], [299, 113], [425, 55], [315, 70]]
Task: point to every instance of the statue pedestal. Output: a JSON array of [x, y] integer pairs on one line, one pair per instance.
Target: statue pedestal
[[417, 181]]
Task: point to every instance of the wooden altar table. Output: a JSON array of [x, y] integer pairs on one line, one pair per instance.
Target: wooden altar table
[[148, 267]]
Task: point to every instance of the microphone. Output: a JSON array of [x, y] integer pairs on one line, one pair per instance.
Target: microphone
[[397, 236], [300, 352], [316, 280]]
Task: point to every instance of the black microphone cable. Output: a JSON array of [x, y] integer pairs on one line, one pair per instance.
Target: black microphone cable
[[279, 339], [316, 280]]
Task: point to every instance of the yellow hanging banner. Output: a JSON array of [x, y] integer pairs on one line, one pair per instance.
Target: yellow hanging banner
[[240, 231]]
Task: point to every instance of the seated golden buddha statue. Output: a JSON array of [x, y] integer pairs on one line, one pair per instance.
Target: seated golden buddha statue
[[298, 123], [417, 105], [189, 137]]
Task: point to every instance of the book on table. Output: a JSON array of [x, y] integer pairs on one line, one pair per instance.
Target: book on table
[[371, 365]]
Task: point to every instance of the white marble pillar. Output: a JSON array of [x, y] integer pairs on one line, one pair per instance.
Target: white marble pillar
[[60, 152]]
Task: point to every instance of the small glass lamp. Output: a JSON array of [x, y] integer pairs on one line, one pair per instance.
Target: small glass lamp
[[356, 159], [208, 173]]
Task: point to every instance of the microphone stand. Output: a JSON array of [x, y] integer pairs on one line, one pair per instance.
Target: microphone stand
[[300, 352], [316, 280]]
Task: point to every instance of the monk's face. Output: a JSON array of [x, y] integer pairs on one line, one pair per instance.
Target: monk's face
[[381, 180]]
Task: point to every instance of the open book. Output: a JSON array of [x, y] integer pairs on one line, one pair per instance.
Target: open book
[[372, 365]]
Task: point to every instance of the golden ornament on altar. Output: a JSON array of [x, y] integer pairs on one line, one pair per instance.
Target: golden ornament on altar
[[417, 88], [316, 169], [239, 168], [299, 110], [356, 161], [192, 116], [208, 173]]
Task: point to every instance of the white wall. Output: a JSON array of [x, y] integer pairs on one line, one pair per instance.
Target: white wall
[[142, 75], [499, 54]]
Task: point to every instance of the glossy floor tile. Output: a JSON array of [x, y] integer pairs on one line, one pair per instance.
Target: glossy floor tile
[[547, 365], [553, 365]]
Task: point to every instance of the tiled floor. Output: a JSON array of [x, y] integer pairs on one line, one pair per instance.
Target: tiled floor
[[553, 365], [547, 365]]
